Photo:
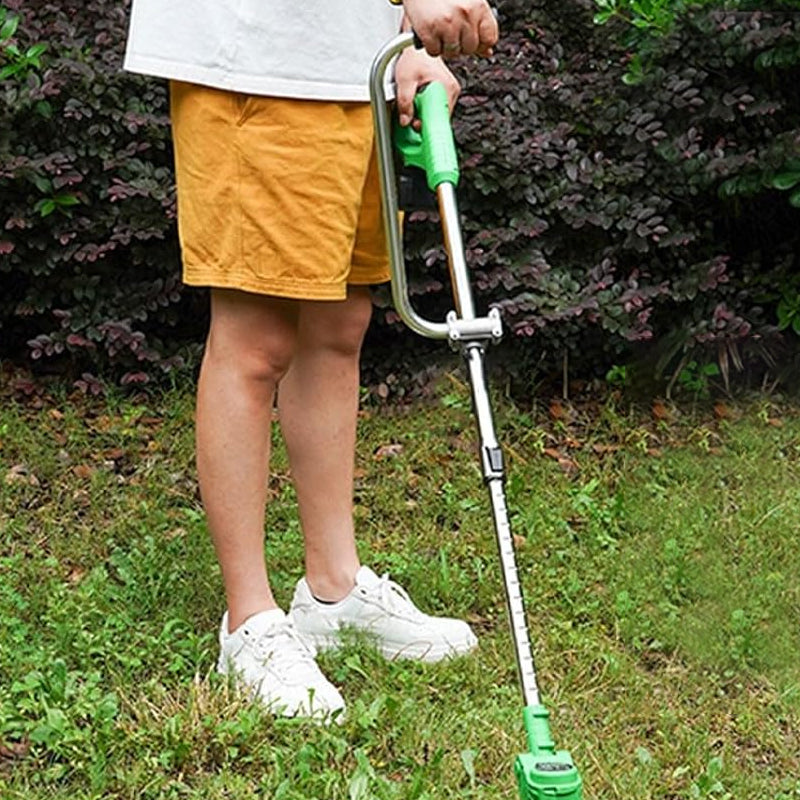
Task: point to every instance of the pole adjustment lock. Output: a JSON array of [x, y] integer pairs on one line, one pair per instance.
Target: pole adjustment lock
[[474, 330]]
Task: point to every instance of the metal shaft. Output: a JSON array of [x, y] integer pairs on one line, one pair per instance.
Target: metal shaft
[[454, 245], [469, 332], [494, 475], [491, 454]]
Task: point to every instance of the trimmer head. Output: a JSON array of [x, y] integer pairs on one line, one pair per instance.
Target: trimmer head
[[550, 776], [545, 773]]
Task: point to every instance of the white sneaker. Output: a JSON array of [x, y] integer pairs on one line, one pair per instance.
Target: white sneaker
[[270, 659], [381, 608]]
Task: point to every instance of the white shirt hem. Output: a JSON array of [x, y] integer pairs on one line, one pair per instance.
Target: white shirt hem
[[247, 84]]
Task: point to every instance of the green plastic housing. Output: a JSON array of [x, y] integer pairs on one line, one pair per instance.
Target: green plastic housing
[[433, 149], [545, 773]]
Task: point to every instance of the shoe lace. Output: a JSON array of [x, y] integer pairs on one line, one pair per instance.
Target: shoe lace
[[395, 598], [285, 650]]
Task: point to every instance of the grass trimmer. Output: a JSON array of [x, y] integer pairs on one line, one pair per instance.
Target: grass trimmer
[[542, 773]]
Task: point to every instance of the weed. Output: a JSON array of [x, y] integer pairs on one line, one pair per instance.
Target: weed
[[603, 515], [694, 378]]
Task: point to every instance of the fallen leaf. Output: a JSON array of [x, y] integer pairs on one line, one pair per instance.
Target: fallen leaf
[[558, 411], [76, 575], [722, 411], [567, 464], [14, 751], [83, 471], [388, 451], [19, 473], [82, 497], [56, 414], [102, 424], [519, 541], [654, 452], [601, 449], [776, 423], [661, 412]]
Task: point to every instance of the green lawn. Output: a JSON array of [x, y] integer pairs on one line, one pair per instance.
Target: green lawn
[[659, 561]]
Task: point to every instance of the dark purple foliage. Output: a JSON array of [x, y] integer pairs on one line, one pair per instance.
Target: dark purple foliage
[[88, 250], [603, 216], [603, 219]]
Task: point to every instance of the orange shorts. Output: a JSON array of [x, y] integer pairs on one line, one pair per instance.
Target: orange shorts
[[276, 196]]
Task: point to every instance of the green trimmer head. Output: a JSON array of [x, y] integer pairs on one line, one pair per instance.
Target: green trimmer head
[[545, 773]]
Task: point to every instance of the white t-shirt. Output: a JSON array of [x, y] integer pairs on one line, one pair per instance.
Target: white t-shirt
[[310, 49]]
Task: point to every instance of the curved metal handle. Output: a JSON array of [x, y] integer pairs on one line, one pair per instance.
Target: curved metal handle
[[391, 211]]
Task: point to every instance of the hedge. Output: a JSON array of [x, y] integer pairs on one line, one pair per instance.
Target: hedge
[[610, 213]]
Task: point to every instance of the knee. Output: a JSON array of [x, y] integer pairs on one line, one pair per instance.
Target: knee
[[264, 362], [257, 357], [349, 334], [342, 328]]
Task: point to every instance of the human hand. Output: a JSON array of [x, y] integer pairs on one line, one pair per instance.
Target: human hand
[[453, 27], [415, 69]]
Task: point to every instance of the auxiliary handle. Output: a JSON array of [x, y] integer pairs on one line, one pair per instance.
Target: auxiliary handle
[[434, 151]]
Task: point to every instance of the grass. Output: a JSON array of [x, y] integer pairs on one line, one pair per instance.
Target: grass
[[658, 557]]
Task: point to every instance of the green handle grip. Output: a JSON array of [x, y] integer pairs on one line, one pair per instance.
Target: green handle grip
[[434, 149]]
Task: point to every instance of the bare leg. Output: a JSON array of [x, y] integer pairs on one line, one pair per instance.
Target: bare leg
[[318, 406], [250, 346]]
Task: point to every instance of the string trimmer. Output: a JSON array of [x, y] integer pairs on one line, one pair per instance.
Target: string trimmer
[[543, 773]]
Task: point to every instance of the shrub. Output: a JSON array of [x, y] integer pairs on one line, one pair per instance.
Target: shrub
[[88, 248], [608, 220], [602, 215]]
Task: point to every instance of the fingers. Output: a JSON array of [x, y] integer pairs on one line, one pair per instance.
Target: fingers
[[406, 91], [415, 69], [431, 40], [470, 39], [451, 49], [453, 27], [488, 34], [452, 86]]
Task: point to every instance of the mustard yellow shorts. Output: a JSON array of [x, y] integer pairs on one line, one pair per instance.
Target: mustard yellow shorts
[[276, 196]]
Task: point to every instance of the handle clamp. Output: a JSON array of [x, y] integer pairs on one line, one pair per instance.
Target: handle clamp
[[475, 330]]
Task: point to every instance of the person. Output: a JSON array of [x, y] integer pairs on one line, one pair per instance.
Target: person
[[279, 214]]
